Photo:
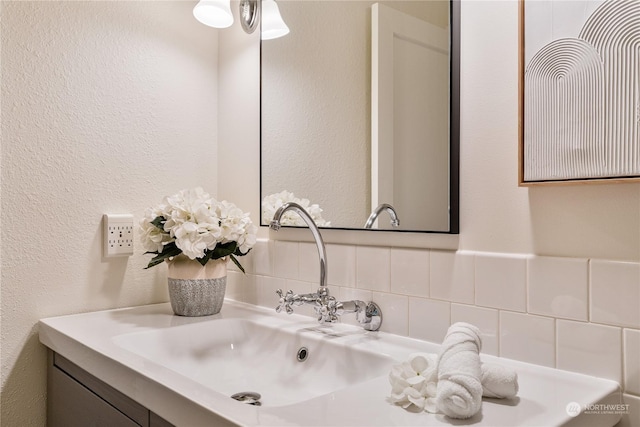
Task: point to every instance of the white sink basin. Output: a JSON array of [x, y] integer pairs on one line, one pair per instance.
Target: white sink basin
[[238, 355], [186, 369]]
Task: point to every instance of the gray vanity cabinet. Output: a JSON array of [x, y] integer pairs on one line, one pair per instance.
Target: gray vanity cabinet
[[77, 398]]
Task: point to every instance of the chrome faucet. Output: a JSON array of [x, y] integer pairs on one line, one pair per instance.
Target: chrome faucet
[[326, 307], [395, 221]]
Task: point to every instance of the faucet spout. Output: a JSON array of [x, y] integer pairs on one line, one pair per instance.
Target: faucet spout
[[326, 307], [395, 221], [322, 253]]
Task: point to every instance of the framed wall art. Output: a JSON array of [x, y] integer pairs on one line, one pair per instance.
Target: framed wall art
[[579, 91]]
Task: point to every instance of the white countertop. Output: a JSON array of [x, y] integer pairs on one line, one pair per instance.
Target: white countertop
[[88, 340]]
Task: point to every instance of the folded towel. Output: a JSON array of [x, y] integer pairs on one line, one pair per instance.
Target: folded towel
[[499, 381], [459, 390]]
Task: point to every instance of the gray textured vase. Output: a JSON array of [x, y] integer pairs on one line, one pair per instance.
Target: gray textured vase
[[195, 289], [197, 297]]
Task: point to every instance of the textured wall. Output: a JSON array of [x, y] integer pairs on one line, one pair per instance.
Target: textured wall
[[106, 107]]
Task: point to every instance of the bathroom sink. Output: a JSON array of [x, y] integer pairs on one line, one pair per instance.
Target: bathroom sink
[[283, 365], [185, 369]]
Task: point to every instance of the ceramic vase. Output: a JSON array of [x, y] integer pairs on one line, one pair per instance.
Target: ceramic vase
[[194, 289]]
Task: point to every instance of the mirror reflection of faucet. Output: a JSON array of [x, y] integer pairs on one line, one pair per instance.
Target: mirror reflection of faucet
[[395, 221], [326, 307]]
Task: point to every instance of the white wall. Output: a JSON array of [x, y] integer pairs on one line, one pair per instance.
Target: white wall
[[599, 221], [551, 274], [106, 107], [592, 221], [129, 88]]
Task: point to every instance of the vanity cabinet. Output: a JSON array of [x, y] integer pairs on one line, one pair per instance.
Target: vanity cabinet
[[77, 398]]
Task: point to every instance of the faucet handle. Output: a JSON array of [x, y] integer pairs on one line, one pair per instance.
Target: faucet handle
[[285, 301], [327, 312]]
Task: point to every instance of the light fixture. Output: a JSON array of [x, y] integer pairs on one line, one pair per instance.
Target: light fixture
[[217, 13], [214, 13], [249, 15], [273, 25]]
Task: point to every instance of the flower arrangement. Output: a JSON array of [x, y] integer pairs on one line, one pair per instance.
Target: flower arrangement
[[414, 382], [271, 203], [193, 223]]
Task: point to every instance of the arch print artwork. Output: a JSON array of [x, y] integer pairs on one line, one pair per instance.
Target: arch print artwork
[[580, 91]]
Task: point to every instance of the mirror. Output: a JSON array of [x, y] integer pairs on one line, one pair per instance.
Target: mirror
[[360, 114]]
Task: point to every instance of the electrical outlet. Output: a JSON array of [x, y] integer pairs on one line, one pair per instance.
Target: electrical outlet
[[118, 235]]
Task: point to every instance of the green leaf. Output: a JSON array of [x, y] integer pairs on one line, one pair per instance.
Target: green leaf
[[220, 251], [237, 263], [224, 249], [239, 253], [205, 258], [169, 250], [159, 222]]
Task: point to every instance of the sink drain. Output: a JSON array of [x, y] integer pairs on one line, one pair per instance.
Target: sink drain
[[303, 353], [248, 397]]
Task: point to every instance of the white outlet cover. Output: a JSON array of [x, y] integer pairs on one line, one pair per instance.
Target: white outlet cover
[[118, 235]]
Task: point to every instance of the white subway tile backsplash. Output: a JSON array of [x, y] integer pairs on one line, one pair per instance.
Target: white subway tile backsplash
[[429, 319], [421, 292], [262, 257], [501, 281], [558, 287], [589, 349], [342, 265], [236, 285], [528, 338], [266, 290], [241, 287], [452, 276], [285, 260], [631, 417], [372, 268], [395, 309], [309, 262], [615, 293], [631, 347], [348, 294], [410, 272], [485, 319]]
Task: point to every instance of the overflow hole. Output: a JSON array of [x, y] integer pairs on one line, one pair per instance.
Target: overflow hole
[[303, 353]]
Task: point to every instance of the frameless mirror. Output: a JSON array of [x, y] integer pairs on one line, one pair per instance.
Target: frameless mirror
[[360, 114]]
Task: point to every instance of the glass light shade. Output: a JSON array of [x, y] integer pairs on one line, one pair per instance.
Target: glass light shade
[[273, 25], [214, 13]]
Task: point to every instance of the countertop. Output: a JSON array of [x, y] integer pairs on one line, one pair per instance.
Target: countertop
[[89, 341]]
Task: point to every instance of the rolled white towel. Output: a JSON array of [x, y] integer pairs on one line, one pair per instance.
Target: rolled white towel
[[459, 392], [499, 381]]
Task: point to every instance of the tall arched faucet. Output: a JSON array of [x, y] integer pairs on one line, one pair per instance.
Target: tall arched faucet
[[322, 252], [326, 307]]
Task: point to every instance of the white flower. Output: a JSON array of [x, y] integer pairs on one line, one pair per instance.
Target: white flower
[[196, 223], [414, 382], [236, 226], [153, 239], [271, 203]]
